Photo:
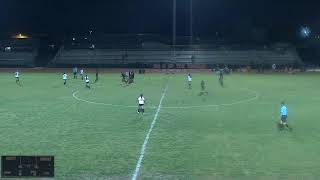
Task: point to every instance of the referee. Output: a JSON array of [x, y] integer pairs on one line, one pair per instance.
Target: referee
[[283, 117]]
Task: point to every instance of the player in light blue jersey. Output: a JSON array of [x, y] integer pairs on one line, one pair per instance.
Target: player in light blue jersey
[[283, 117]]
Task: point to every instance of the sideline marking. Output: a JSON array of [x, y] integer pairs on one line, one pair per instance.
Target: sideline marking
[[146, 140]]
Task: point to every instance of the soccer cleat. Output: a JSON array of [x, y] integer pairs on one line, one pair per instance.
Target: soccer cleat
[[280, 126]]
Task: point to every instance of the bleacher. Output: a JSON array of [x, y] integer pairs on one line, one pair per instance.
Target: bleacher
[[80, 56], [181, 57], [246, 57], [17, 52], [113, 50]]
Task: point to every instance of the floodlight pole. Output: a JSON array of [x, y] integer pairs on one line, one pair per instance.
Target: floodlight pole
[[191, 23], [174, 29]]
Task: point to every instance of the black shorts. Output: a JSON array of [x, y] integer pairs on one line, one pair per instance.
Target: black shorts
[[284, 118], [141, 105]]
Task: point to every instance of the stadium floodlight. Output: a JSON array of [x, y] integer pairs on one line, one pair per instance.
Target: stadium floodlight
[[20, 36], [305, 32], [191, 22], [174, 28]]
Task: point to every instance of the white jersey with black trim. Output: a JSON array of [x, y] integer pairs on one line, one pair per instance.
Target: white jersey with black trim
[[16, 74], [189, 78], [87, 79], [65, 77], [141, 100]]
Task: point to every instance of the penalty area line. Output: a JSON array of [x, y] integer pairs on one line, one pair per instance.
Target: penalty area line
[[146, 140]]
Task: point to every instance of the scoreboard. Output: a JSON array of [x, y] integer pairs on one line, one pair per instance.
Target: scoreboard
[[27, 166]]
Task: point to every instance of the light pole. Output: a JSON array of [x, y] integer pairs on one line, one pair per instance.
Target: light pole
[[191, 23], [174, 28]]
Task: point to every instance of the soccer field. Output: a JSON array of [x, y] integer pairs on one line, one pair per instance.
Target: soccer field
[[230, 133]]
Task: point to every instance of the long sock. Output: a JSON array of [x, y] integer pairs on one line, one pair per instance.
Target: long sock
[[288, 127], [280, 126]]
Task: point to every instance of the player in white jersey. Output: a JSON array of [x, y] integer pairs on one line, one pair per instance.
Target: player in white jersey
[[82, 74], [141, 102], [189, 78], [86, 78], [17, 76], [65, 78]]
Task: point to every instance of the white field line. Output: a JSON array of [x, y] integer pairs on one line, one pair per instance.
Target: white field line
[[175, 107], [218, 105], [146, 140], [105, 104]]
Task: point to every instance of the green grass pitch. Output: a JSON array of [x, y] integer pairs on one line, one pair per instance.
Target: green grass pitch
[[229, 134]]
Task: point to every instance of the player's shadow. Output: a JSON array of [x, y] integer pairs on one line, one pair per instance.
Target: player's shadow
[[204, 93], [19, 84], [125, 85]]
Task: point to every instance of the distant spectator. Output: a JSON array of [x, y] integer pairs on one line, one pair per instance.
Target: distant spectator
[[227, 70], [274, 67], [7, 49]]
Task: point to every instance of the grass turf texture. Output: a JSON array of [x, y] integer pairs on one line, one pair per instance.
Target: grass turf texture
[[97, 141]]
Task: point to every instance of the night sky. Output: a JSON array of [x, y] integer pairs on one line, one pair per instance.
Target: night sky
[[281, 18]]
